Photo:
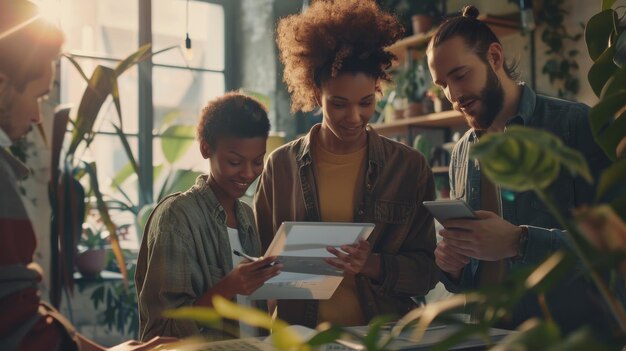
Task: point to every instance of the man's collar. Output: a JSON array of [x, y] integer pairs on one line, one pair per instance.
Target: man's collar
[[5, 141], [526, 106], [525, 110]]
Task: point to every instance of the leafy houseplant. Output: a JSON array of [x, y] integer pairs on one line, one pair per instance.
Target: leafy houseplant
[[175, 143], [561, 66], [440, 102], [414, 86], [429, 10], [91, 259], [68, 197], [120, 305]]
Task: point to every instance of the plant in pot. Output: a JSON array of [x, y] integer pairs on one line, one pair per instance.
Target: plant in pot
[[438, 98], [414, 87], [92, 254], [419, 15], [68, 197]]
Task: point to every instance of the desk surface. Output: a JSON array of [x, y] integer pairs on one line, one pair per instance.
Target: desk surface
[[432, 336]]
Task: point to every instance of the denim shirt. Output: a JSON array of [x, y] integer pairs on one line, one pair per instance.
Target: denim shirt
[[569, 299]]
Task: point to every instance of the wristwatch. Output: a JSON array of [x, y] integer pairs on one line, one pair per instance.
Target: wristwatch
[[523, 240]]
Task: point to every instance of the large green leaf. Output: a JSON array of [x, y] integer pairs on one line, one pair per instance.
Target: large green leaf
[[608, 122], [176, 140], [77, 66], [612, 178], [602, 70], [115, 95], [606, 4], [583, 339], [127, 149], [615, 84], [525, 158], [181, 180], [103, 210], [250, 316], [325, 336], [539, 278], [533, 335], [59, 127], [120, 177], [620, 50], [95, 94], [203, 315], [598, 31], [143, 216], [141, 54]]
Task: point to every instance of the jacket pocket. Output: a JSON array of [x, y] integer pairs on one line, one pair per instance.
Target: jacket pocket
[[392, 211]]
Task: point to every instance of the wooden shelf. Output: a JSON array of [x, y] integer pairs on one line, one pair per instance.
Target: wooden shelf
[[445, 119], [502, 25], [440, 169]]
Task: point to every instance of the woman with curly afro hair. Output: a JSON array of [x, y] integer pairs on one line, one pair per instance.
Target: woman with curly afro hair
[[343, 171]]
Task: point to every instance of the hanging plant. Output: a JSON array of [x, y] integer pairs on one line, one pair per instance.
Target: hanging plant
[[561, 67]]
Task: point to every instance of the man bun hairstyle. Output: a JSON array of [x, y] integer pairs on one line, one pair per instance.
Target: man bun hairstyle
[[475, 33], [470, 11], [333, 37], [232, 115]]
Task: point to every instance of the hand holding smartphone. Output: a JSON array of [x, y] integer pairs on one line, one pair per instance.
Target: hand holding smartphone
[[443, 210]]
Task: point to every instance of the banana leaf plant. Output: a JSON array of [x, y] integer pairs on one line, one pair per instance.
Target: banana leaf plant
[[176, 140], [67, 195]]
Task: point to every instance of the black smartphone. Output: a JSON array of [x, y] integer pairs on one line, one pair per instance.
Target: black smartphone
[[449, 209]]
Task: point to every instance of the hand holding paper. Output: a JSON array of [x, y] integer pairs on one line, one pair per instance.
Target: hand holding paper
[[353, 257], [304, 252], [247, 277]]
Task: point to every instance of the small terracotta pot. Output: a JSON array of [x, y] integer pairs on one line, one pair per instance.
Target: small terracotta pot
[[414, 109], [91, 262]]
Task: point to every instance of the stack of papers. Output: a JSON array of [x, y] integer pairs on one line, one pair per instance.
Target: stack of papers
[[301, 248]]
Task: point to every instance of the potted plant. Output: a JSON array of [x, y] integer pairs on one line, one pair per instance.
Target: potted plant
[[67, 193], [419, 15], [92, 255], [414, 86], [438, 98]]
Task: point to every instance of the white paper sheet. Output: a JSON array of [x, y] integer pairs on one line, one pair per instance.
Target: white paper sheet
[[302, 245]]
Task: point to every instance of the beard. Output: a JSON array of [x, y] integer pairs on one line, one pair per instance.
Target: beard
[[492, 98]]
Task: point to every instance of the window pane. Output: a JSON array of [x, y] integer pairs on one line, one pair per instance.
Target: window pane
[[73, 87], [104, 28], [180, 94], [111, 161], [206, 30]]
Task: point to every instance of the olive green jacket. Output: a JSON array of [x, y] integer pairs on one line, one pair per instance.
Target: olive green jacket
[[184, 252]]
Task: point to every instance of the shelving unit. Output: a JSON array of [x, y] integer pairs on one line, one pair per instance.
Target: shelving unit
[[440, 170], [415, 46], [446, 119], [502, 25]]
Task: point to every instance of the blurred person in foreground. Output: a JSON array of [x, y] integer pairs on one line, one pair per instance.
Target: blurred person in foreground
[[28, 49]]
